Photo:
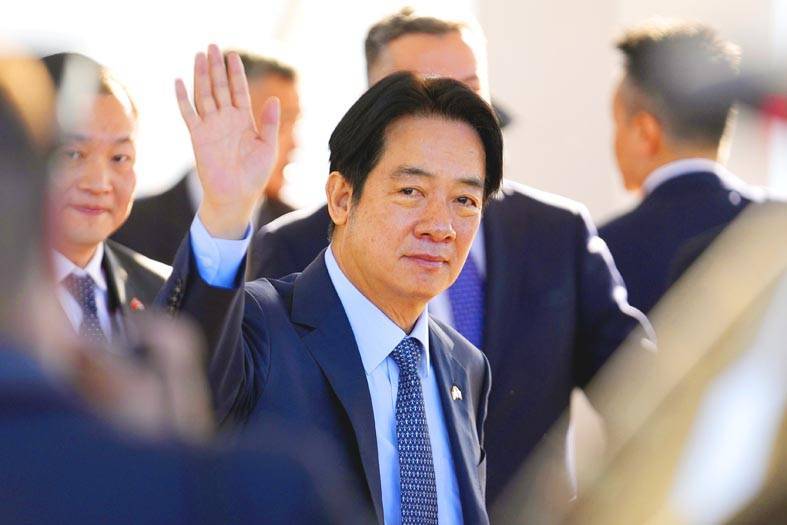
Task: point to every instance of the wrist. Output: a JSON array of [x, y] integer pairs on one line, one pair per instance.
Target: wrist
[[226, 221]]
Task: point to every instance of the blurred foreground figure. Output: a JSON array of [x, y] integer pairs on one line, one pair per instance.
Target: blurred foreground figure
[[61, 463], [158, 223], [700, 438], [539, 293], [670, 143]]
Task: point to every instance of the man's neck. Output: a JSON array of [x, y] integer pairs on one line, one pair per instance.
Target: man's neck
[[79, 255], [404, 313]]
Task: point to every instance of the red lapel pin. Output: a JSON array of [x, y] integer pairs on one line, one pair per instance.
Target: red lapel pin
[[136, 305]]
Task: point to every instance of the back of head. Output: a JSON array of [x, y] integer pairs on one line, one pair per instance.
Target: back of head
[[670, 67], [358, 141]]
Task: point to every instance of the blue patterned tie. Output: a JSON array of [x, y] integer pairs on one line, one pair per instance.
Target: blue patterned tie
[[416, 470], [467, 303], [83, 290]]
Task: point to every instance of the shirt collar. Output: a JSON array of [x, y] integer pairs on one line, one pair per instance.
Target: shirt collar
[[375, 334], [681, 167], [64, 267]]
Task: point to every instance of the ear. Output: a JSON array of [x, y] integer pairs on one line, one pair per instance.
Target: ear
[[650, 133], [339, 194]]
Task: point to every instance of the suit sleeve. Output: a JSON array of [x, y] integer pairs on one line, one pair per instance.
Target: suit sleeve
[[604, 316], [235, 332], [271, 256]]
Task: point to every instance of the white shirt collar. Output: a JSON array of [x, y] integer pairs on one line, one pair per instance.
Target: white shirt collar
[[681, 167], [375, 334], [64, 267]]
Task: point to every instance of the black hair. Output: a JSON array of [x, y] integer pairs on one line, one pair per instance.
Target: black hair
[[671, 66], [358, 141]]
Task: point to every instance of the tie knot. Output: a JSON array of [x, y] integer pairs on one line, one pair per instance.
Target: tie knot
[[406, 354], [82, 288]]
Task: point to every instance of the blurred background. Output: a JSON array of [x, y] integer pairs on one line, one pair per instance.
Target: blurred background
[[552, 68]]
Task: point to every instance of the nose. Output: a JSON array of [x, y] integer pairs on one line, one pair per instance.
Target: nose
[[436, 222], [95, 177]]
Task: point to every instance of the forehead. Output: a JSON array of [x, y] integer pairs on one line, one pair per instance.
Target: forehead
[[285, 89], [435, 144], [106, 119], [447, 55]]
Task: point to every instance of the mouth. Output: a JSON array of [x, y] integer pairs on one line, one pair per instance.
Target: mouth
[[426, 260], [89, 209]]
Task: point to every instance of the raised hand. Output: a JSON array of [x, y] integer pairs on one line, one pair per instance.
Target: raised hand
[[233, 157]]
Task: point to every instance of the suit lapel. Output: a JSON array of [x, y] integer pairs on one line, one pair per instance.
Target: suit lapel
[[459, 422], [332, 344]]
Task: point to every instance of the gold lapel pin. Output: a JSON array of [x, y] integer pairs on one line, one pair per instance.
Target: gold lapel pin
[[456, 394]]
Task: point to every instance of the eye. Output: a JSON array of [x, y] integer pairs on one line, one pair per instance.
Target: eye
[[121, 158], [72, 154], [464, 200], [408, 191]]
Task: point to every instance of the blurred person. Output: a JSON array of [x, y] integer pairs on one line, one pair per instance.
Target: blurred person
[[62, 462], [348, 344], [169, 214], [540, 294], [101, 284], [670, 144]]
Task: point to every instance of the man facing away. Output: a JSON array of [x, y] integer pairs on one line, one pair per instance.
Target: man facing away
[[169, 214], [348, 345], [539, 293], [670, 133]]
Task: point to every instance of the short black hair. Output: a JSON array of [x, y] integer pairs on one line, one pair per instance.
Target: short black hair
[[259, 67], [93, 74], [358, 141], [672, 65], [401, 23]]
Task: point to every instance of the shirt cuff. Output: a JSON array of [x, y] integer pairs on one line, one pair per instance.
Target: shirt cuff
[[218, 260]]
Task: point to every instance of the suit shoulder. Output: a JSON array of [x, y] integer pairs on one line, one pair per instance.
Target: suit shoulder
[[519, 196], [299, 222], [137, 263]]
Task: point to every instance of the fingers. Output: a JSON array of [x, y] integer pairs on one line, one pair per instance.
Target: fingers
[[237, 78], [218, 77], [186, 110], [203, 94], [269, 121]]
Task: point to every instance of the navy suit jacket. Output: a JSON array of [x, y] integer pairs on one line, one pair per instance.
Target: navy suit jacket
[[551, 320], [61, 464], [284, 349], [657, 240]]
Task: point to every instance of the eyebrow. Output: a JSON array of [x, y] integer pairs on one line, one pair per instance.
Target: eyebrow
[[84, 138], [410, 171]]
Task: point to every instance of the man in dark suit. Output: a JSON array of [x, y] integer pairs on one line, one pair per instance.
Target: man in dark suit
[[348, 345], [158, 223], [100, 283], [547, 305], [670, 143]]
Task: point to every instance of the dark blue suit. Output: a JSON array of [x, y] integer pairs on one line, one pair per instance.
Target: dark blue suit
[[551, 320], [284, 350], [656, 241], [61, 465]]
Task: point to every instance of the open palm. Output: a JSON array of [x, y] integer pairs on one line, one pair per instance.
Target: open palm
[[233, 157]]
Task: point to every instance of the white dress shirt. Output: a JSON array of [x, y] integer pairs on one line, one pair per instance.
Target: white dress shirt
[[63, 268], [376, 335]]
